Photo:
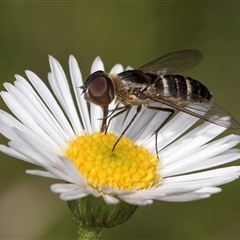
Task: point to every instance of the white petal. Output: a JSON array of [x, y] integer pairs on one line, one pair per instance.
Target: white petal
[[219, 173], [52, 124], [11, 152], [77, 82], [65, 94], [8, 132], [97, 65], [28, 120], [41, 173], [116, 123], [31, 152], [118, 68], [192, 196], [72, 191], [151, 124], [30, 104], [199, 159], [63, 187], [69, 191], [110, 199], [139, 124], [129, 68], [96, 117], [13, 123], [51, 103], [73, 171], [189, 142], [135, 200]]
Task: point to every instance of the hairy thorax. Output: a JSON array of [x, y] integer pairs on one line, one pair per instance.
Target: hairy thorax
[[127, 94]]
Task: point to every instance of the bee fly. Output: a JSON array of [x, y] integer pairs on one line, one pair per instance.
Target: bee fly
[[155, 86]]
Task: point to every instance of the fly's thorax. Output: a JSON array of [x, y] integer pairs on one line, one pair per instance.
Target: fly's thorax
[[126, 89], [121, 93]]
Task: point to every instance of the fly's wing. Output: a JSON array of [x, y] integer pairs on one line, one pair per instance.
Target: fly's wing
[[173, 63], [200, 107]]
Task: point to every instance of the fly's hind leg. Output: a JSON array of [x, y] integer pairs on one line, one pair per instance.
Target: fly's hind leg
[[171, 111]]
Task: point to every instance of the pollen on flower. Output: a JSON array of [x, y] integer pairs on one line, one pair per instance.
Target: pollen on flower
[[128, 167]]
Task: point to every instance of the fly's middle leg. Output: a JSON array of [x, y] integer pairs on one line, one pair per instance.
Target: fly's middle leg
[[129, 124]]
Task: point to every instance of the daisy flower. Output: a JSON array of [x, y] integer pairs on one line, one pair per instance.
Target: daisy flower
[[59, 131]]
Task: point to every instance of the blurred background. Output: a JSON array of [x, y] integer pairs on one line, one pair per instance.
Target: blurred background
[[133, 34]]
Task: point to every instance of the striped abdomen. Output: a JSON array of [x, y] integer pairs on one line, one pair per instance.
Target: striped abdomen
[[180, 88]]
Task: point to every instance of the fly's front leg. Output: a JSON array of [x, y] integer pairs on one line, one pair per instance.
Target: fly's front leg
[[106, 115], [104, 119], [171, 111]]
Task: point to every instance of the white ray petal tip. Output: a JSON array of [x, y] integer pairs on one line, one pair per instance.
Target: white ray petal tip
[[97, 65], [72, 59], [118, 68]]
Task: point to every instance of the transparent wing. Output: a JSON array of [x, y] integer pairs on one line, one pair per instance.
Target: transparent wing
[[201, 108], [174, 62]]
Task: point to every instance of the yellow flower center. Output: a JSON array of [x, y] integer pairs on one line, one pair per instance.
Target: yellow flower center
[[128, 167]]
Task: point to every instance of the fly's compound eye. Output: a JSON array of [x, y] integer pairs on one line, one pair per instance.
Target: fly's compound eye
[[99, 89]]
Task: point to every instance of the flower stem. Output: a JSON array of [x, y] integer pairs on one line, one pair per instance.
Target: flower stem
[[89, 233]]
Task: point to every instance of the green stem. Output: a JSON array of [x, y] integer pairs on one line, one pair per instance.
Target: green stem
[[89, 233]]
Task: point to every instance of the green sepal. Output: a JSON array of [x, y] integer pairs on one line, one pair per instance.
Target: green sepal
[[94, 214]]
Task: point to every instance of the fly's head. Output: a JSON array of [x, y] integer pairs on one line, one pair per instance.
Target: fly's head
[[99, 89]]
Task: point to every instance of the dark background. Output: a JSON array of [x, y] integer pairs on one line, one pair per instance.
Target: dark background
[[133, 34]]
